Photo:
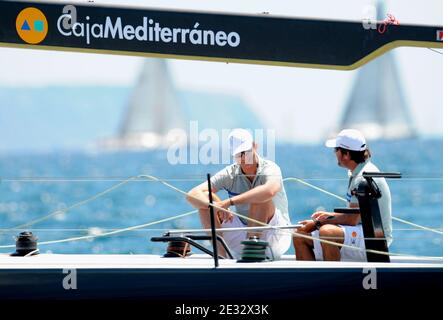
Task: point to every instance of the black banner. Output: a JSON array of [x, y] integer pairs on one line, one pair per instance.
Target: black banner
[[257, 39]]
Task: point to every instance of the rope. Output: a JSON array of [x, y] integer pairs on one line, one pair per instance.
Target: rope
[[90, 199], [314, 187], [78, 204], [90, 229], [436, 51], [150, 177], [110, 233], [190, 178], [296, 234], [95, 229], [344, 200]]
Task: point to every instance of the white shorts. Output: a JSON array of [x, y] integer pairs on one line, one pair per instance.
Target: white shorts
[[279, 240], [353, 237]]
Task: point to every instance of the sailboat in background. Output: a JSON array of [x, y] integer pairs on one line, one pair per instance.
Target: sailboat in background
[[377, 105], [158, 115], [153, 111]]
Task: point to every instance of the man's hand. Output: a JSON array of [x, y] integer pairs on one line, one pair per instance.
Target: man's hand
[[322, 216], [308, 226], [223, 215]]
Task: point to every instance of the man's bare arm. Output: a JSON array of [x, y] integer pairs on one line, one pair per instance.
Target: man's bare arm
[[259, 194], [339, 218], [198, 196]]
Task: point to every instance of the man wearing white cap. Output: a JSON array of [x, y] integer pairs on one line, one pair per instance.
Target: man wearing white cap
[[353, 154], [255, 187]]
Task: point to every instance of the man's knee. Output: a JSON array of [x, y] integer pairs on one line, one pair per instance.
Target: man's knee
[[331, 232], [301, 241], [298, 241]]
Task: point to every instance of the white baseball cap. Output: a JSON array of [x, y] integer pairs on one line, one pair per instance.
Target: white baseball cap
[[240, 140], [349, 139]]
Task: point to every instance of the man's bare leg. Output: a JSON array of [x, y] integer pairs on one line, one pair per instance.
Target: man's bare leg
[[332, 233], [304, 248], [262, 212], [205, 220]]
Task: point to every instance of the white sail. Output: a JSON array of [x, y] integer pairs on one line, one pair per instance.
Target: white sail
[[152, 112], [377, 104], [154, 106]]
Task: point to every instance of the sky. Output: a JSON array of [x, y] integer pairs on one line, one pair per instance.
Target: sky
[[309, 101]]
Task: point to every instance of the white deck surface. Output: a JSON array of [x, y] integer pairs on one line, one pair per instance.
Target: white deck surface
[[196, 261]]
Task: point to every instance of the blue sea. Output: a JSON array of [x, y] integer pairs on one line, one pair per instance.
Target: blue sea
[[35, 185]]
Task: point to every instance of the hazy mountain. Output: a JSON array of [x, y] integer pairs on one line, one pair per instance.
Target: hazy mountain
[[52, 118]]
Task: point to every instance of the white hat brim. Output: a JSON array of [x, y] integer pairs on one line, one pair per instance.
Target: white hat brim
[[331, 143], [246, 146]]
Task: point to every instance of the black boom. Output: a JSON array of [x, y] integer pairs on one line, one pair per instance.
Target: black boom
[[256, 39]]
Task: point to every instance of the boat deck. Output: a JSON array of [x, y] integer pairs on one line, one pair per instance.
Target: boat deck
[[154, 278], [196, 261]]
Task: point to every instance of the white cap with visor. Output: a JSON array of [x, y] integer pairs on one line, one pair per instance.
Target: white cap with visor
[[349, 139], [240, 140]]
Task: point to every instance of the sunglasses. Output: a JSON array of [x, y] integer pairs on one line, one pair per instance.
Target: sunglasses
[[241, 154]]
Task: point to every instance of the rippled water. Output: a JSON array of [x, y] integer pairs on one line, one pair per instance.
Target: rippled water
[[35, 185]]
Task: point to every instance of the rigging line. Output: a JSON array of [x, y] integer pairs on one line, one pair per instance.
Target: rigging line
[[344, 200], [219, 208], [417, 225], [314, 187], [342, 245], [296, 234], [229, 211], [85, 179], [153, 178], [94, 197], [111, 232], [436, 51], [150, 177], [414, 229], [65, 210], [186, 178], [91, 229]]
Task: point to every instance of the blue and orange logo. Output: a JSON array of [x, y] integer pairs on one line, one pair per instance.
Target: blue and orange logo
[[31, 25], [354, 237]]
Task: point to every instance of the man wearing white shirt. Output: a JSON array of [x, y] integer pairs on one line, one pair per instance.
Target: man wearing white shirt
[[353, 154]]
